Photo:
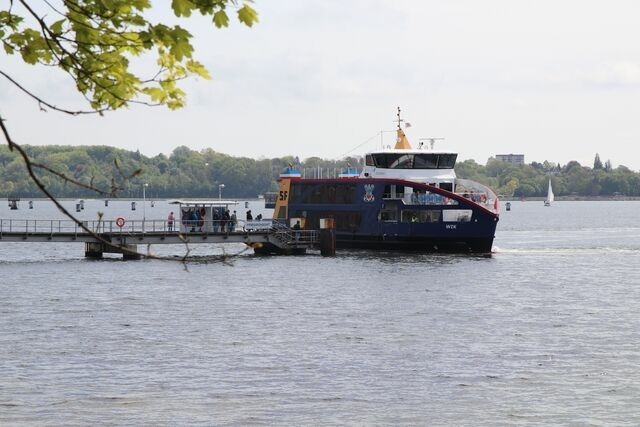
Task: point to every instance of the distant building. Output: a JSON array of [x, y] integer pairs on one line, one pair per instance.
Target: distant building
[[514, 159]]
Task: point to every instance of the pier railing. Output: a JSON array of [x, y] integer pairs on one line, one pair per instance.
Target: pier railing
[[69, 226], [109, 226], [113, 235], [62, 226]]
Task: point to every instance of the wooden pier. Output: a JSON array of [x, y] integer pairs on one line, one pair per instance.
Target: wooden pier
[[111, 237]]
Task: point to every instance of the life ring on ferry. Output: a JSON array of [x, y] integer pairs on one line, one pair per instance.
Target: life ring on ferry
[[120, 222]]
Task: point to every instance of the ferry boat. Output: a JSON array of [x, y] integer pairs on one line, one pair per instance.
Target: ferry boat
[[403, 199]]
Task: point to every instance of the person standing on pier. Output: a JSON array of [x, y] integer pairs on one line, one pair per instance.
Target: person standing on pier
[[216, 221], [226, 221], [234, 221], [297, 229], [170, 220]]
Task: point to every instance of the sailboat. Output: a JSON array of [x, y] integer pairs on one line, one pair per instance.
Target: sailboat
[[549, 199]]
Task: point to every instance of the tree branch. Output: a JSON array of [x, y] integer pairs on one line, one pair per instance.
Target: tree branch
[[43, 102]]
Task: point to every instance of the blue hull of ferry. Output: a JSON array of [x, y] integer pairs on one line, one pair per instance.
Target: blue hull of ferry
[[368, 214]]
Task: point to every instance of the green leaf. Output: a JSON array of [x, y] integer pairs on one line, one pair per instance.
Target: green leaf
[[182, 7], [9, 20], [156, 94], [96, 42], [197, 68], [221, 19], [181, 47], [56, 27], [247, 15]]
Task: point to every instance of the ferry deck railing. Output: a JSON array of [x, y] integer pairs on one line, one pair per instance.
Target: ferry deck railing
[[474, 191]]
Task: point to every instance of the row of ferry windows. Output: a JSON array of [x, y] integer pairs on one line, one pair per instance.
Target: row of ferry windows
[[341, 193], [350, 221], [325, 194], [411, 161], [430, 215], [418, 197], [344, 221]]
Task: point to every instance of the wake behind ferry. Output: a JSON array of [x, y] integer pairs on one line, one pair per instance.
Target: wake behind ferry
[[403, 199]]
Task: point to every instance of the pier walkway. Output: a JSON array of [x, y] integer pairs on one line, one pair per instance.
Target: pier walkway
[[263, 236]]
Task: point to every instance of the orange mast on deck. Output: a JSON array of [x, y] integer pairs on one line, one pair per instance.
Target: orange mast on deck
[[402, 143]]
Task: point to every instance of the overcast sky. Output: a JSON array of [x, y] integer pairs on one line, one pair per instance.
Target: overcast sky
[[553, 80]]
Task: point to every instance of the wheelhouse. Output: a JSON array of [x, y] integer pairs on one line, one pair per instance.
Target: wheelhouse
[[411, 160]]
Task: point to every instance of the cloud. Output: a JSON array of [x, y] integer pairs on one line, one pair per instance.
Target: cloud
[[619, 73]]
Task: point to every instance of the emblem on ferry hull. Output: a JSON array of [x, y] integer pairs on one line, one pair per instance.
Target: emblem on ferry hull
[[368, 193]]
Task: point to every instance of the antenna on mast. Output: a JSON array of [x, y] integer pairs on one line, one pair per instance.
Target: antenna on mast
[[399, 120], [402, 143]]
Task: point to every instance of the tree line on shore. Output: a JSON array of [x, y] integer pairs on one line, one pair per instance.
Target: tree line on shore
[[184, 173], [572, 179], [203, 174]]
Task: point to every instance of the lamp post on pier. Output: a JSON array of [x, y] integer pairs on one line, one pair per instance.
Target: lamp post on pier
[[144, 202], [220, 187]]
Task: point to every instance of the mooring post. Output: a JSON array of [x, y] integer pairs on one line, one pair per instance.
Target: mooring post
[[327, 237], [93, 250], [130, 252], [97, 249]]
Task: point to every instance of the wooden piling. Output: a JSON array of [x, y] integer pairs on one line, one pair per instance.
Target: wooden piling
[[93, 250], [327, 237], [97, 249]]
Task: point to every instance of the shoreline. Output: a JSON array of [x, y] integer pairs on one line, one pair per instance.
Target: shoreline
[[213, 199], [573, 199]]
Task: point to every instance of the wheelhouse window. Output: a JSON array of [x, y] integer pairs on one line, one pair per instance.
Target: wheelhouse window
[[426, 161], [401, 162], [414, 161]]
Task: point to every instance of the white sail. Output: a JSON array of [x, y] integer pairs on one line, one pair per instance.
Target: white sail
[[549, 196]]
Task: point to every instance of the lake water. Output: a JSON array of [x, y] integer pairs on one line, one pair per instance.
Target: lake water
[[546, 331]]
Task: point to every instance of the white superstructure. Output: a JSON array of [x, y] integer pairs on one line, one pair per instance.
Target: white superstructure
[[425, 165]]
